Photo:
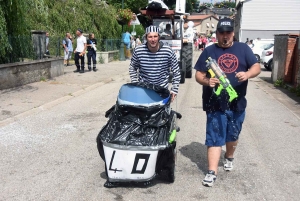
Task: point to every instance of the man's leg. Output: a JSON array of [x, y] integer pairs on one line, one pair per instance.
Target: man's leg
[[65, 57], [77, 62], [94, 61], [69, 57], [230, 149], [235, 122], [213, 156], [216, 127], [82, 63], [89, 57]]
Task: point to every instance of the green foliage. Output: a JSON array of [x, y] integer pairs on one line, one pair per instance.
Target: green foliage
[[279, 83], [125, 15], [133, 5], [3, 34], [19, 17], [224, 4], [101, 59], [68, 16], [116, 56], [139, 29]]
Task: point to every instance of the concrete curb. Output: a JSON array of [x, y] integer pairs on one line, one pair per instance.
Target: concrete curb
[[58, 101]]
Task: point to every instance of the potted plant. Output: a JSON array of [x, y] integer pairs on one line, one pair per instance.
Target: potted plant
[[124, 16]]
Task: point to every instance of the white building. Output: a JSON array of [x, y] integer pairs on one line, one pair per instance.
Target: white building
[[264, 18]]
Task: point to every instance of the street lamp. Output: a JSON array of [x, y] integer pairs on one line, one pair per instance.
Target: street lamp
[[121, 51]]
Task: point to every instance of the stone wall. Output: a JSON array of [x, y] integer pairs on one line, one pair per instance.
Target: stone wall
[[285, 58], [297, 65], [21, 73], [104, 57], [279, 56]]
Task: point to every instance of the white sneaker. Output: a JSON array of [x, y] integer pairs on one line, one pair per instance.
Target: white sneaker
[[209, 179], [228, 164]]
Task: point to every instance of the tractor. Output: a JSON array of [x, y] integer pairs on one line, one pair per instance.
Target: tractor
[[171, 30]]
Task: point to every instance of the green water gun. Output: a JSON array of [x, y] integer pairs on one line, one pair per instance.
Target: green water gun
[[215, 71]]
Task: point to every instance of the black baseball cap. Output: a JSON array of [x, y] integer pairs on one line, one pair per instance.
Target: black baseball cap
[[225, 24], [80, 30]]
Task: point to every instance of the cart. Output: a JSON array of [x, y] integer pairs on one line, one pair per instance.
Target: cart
[[138, 143]]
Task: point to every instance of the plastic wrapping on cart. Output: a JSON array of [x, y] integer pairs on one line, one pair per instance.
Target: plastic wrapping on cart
[[146, 97], [137, 125]]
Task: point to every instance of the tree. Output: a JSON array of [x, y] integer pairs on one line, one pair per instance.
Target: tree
[[225, 4]]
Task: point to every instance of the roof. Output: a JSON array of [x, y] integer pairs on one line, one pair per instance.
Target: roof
[[218, 11], [157, 12], [288, 34], [199, 17], [222, 11]]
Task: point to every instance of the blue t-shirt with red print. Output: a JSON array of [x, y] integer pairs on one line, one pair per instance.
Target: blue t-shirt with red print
[[237, 58]]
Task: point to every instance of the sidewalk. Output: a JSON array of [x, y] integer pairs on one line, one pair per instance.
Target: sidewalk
[[19, 100]]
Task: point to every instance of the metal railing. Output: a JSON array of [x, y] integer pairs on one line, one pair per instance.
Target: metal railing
[[109, 44], [28, 48]]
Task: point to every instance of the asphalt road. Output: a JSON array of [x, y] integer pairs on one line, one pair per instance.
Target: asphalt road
[[52, 155]]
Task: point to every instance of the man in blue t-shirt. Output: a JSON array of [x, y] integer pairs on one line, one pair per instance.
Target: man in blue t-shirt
[[68, 48], [224, 118], [127, 39]]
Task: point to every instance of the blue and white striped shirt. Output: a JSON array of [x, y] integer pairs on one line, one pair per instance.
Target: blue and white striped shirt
[[154, 68]]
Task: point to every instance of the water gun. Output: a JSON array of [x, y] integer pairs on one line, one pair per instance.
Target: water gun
[[215, 71]]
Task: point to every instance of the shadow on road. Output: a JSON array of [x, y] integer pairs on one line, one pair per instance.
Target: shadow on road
[[197, 153]]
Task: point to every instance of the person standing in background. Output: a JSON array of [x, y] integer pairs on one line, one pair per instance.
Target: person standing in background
[[138, 41], [91, 55], [47, 43], [250, 44], [68, 49], [80, 51], [133, 43], [127, 40]]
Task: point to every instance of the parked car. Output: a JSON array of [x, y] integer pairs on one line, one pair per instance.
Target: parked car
[[259, 46], [267, 57]]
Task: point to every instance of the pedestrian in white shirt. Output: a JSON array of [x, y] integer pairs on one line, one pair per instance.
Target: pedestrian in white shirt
[[80, 51]]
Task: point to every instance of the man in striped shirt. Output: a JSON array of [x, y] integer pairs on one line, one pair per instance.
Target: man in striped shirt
[[152, 61]]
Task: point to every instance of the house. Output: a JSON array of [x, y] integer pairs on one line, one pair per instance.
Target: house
[[219, 12], [203, 24], [265, 18]]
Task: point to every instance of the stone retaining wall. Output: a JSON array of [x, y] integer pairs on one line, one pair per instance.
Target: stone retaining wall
[[21, 73], [105, 57]]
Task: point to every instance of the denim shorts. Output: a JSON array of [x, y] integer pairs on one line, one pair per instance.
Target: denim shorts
[[127, 45], [222, 127]]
